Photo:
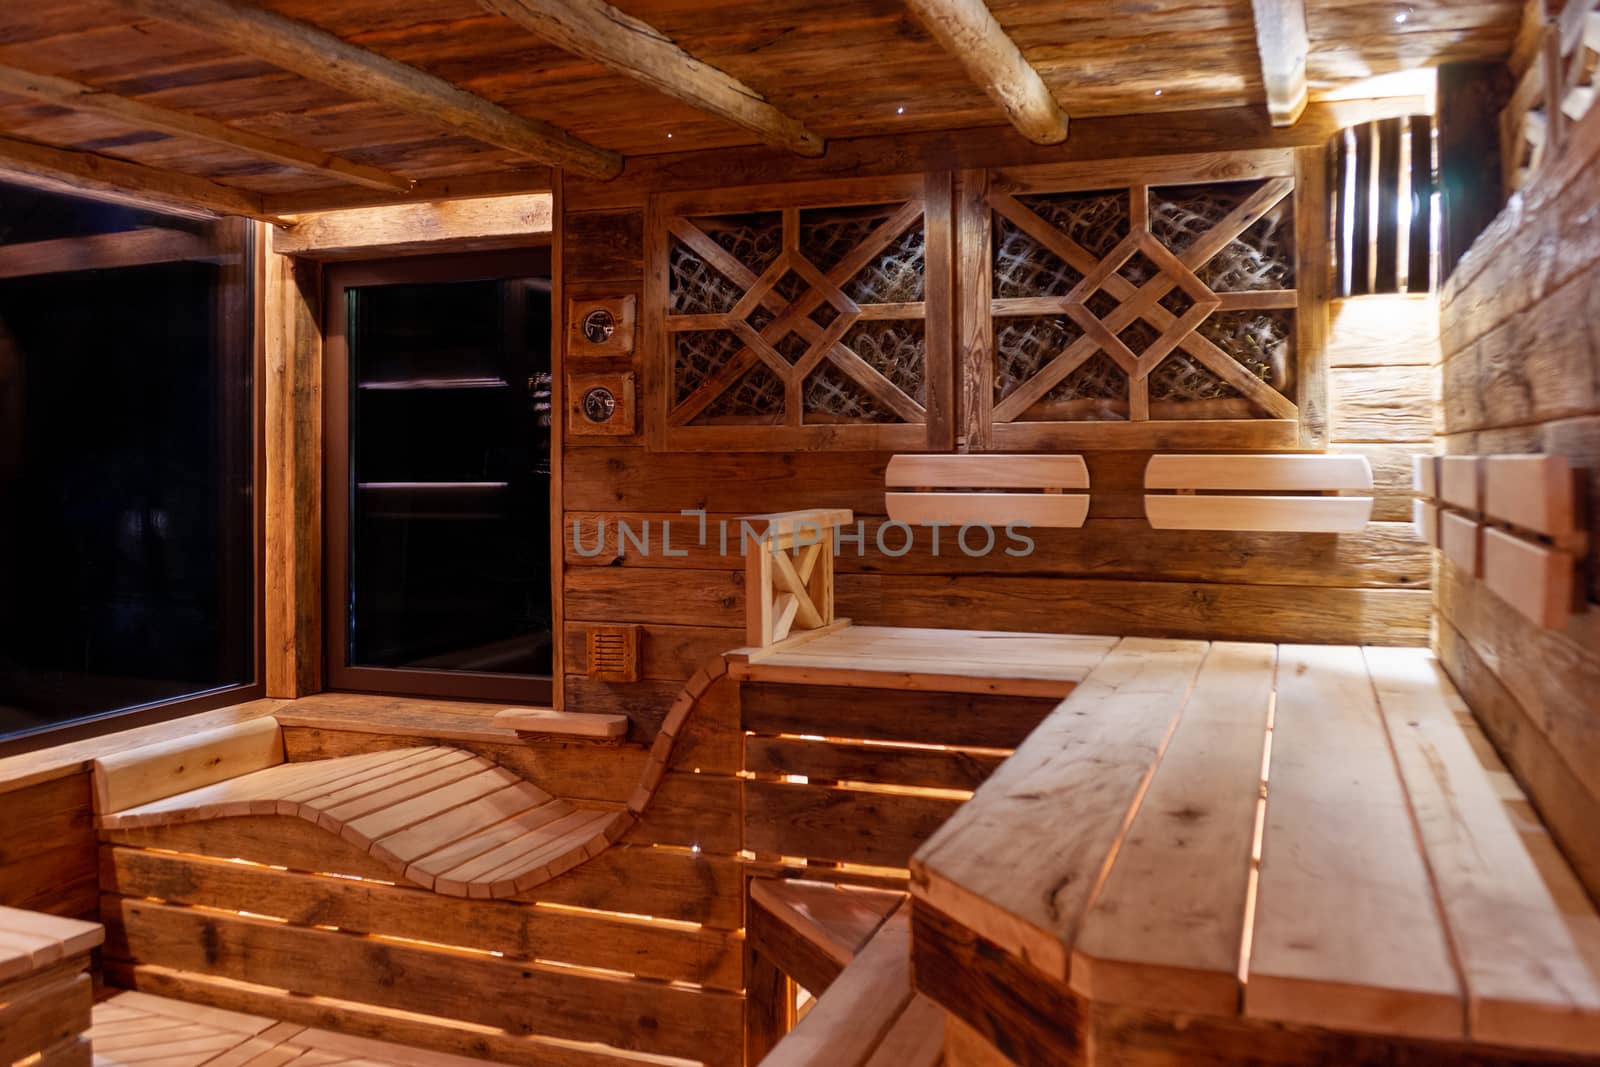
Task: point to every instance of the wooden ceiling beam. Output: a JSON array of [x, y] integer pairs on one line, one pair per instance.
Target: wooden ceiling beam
[[479, 225], [599, 32], [1284, 44], [103, 251], [79, 97], [320, 56], [970, 33], [94, 175]]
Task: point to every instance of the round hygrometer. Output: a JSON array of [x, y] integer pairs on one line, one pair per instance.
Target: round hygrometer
[[599, 405], [598, 326]]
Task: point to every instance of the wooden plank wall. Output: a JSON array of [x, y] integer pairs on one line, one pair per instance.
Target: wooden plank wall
[[1114, 576], [1521, 373], [47, 846]]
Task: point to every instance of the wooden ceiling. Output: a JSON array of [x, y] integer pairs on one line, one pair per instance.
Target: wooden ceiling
[[838, 68]]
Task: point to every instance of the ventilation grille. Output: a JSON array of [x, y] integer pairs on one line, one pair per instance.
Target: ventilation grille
[[613, 653]]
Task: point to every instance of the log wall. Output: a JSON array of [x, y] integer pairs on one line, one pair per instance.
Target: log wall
[[1114, 576], [1520, 328]]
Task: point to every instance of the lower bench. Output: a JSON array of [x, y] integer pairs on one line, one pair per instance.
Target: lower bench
[[851, 948]]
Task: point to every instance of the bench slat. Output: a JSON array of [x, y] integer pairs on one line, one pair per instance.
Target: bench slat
[[1461, 540], [1068, 510], [1273, 514], [1527, 937], [1165, 930], [1072, 785], [1535, 580], [987, 470], [1271, 473], [1347, 933], [1534, 492]]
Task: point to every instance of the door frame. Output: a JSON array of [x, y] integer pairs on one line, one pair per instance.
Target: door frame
[[534, 260]]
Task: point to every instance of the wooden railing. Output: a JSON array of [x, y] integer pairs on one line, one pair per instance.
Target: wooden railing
[[789, 574], [1556, 90]]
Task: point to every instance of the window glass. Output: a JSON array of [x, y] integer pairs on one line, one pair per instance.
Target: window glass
[[126, 448]]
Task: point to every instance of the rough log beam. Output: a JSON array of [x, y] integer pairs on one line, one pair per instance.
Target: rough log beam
[[320, 56], [70, 94], [1283, 43], [969, 32], [614, 39], [85, 172], [103, 251]]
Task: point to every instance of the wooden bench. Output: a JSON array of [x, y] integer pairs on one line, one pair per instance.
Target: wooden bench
[[1258, 493], [1406, 905], [960, 489], [437, 816], [850, 948], [46, 993]]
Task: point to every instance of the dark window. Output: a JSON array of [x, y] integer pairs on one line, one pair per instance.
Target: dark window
[[439, 477], [127, 517]]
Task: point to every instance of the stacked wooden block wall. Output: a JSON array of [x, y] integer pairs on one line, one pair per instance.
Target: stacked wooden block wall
[[1520, 327]]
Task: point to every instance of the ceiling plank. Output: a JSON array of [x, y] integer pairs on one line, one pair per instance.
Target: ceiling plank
[[969, 32], [320, 56], [87, 173], [79, 97], [599, 32], [1284, 44]]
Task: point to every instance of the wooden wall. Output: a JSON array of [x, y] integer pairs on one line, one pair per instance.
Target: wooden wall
[[1115, 576], [47, 846], [1520, 325]]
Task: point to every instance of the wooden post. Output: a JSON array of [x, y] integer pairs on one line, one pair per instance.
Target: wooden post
[[293, 477]]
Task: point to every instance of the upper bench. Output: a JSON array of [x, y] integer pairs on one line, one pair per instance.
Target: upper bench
[[1402, 889]]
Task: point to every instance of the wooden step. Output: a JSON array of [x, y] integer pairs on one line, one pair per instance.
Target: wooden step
[[812, 930], [870, 1016]]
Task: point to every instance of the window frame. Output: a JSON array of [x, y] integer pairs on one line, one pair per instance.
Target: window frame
[[338, 674], [249, 293]]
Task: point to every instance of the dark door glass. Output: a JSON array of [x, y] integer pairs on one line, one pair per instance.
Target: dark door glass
[[449, 476]]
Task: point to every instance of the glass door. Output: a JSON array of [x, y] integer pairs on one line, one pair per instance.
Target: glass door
[[437, 379]]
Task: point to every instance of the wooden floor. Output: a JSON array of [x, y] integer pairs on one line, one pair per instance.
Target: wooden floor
[[138, 1029], [1194, 830], [951, 661]]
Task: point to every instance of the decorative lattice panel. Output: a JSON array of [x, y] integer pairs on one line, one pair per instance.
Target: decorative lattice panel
[[799, 319], [1171, 299]]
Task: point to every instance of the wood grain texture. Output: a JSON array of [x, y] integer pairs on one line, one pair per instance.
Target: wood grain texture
[[1339, 837], [293, 486], [1527, 938], [990, 865], [322, 56], [1166, 927], [471, 225], [632, 47], [64, 92], [972, 35], [527, 998]]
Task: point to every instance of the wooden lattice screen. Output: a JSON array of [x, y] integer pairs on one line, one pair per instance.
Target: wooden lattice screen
[[1138, 303], [802, 316]]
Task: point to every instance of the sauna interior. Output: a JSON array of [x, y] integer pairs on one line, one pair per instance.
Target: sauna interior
[[853, 533]]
